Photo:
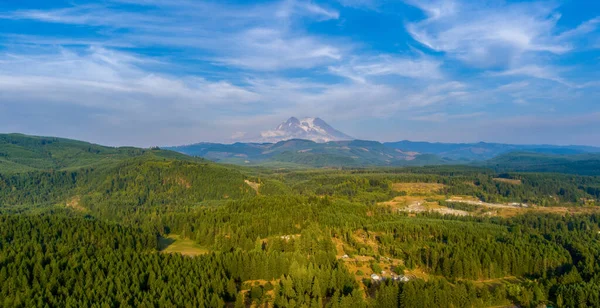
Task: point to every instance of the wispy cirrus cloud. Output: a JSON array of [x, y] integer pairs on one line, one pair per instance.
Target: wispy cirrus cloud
[[368, 4], [181, 71], [269, 49], [254, 37], [79, 78], [541, 72], [493, 36], [360, 69], [108, 87], [445, 117]]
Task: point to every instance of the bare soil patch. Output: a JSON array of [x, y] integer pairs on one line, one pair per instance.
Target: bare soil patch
[[253, 185], [183, 182], [419, 207], [74, 204]]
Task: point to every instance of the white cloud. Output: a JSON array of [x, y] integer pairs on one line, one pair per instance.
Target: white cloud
[[261, 63], [252, 37], [108, 80], [541, 72], [113, 89], [584, 28], [268, 49], [445, 117], [435, 9], [317, 10], [513, 86], [369, 4], [361, 68], [488, 35]]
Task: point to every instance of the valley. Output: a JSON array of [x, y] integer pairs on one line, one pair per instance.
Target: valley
[[154, 227]]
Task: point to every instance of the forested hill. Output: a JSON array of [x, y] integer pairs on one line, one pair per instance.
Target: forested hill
[[45, 170], [583, 164], [22, 153]]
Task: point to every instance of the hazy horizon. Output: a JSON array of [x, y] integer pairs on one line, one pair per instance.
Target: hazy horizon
[[157, 73], [234, 141]]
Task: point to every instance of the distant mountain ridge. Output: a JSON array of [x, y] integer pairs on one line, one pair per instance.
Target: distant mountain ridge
[[582, 164], [21, 153], [360, 153], [482, 150], [351, 153], [313, 129]]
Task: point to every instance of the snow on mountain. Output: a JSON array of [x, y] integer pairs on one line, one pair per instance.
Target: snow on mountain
[[313, 129]]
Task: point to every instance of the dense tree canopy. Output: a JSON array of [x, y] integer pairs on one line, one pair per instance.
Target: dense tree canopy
[[92, 236]]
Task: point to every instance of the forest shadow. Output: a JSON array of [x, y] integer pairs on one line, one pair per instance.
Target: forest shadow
[[164, 242]]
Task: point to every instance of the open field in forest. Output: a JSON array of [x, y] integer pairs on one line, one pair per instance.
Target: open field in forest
[[74, 203], [362, 266], [511, 210], [175, 244], [418, 188], [253, 185], [419, 204], [508, 181], [432, 203]]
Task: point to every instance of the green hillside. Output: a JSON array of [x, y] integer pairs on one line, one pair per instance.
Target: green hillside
[[45, 170], [584, 164], [22, 153]]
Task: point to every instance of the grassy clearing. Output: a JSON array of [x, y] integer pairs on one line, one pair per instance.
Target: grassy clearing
[[362, 265], [175, 244], [508, 181], [74, 203], [255, 186], [418, 188], [417, 204]]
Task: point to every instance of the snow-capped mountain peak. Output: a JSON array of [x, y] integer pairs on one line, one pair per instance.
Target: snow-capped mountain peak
[[313, 129]]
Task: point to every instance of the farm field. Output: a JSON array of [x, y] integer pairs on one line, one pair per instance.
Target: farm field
[[176, 244]]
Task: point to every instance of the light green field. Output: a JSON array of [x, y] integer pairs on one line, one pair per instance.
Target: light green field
[[174, 244]]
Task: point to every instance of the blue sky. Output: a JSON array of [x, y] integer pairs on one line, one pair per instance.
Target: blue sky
[[166, 72]]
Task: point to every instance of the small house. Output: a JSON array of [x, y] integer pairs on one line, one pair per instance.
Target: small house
[[375, 277], [401, 278]]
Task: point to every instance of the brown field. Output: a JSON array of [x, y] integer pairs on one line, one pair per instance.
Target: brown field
[[175, 244], [507, 210], [567, 210], [404, 201], [418, 188], [508, 181], [339, 246], [420, 207], [255, 186], [417, 204], [74, 204], [418, 273]]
